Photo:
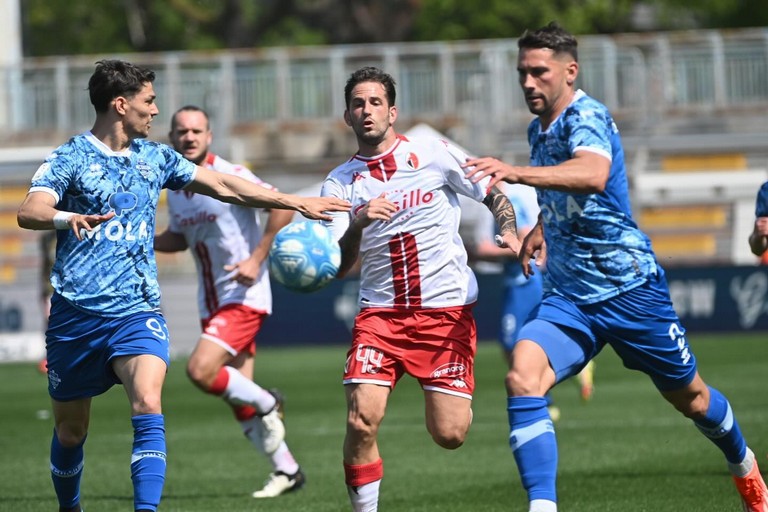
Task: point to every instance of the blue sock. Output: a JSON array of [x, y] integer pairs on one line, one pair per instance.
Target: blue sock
[[720, 426], [148, 461], [66, 470], [533, 443]]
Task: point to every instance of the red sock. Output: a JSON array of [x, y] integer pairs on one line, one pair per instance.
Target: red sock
[[361, 474], [219, 384]]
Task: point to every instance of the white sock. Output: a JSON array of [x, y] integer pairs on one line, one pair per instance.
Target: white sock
[[743, 469], [282, 460], [543, 506], [243, 391], [364, 498]]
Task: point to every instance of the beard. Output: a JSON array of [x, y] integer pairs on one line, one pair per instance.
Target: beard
[[372, 138]]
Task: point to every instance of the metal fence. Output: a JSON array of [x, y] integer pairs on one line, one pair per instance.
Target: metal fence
[[642, 78]]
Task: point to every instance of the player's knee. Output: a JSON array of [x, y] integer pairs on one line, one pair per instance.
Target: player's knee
[[522, 384], [449, 438], [362, 426], [692, 406], [147, 403], [70, 435], [200, 375], [691, 401]]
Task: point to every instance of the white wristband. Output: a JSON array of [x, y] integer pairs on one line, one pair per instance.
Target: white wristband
[[61, 220]]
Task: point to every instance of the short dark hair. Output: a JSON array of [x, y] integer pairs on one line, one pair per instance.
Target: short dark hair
[[370, 74], [553, 36], [189, 108], [113, 78]]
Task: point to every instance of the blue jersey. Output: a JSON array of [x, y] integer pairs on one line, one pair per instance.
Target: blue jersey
[[595, 250], [112, 271], [761, 205]]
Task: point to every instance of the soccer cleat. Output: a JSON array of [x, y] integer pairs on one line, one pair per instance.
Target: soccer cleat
[[586, 381], [280, 483], [754, 494], [554, 413], [272, 427]]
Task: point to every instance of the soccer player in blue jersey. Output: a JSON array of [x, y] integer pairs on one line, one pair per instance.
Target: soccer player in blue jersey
[[100, 190], [758, 239], [605, 285]]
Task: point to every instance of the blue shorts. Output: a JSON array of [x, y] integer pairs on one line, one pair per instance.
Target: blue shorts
[[519, 301], [641, 325], [80, 347]]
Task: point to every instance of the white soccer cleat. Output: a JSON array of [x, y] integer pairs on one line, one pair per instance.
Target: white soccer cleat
[[279, 483]]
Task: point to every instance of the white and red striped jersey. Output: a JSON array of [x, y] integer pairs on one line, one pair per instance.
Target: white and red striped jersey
[[417, 259], [221, 234]]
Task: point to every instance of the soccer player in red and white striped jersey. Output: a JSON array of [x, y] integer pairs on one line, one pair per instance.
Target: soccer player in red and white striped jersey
[[416, 290], [230, 250]]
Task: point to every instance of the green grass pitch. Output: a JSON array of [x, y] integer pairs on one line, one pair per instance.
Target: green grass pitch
[[626, 450]]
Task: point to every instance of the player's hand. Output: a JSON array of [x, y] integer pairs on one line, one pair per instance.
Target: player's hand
[[479, 168], [87, 222], [533, 247], [761, 226], [246, 271], [315, 207], [378, 208], [509, 241]]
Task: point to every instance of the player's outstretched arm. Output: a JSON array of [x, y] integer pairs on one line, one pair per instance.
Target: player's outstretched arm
[[585, 173], [236, 190], [37, 212]]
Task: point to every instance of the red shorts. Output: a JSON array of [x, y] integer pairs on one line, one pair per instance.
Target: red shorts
[[435, 346], [234, 328]]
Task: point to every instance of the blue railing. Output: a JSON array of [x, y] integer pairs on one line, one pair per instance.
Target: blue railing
[[642, 78]]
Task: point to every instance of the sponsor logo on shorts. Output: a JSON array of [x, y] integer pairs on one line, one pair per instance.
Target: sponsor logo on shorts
[[449, 370], [54, 379], [459, 383]]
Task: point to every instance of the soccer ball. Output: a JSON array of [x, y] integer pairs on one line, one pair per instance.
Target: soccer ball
[[304, 257]]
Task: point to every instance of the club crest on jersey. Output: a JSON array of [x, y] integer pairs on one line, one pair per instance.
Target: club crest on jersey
[[122, 200], [412, 161], [144, 169]]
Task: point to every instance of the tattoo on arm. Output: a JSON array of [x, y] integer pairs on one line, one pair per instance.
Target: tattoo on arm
[[502, 211]]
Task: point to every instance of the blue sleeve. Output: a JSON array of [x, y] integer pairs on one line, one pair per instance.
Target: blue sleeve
[[179, 171], [761, 205]]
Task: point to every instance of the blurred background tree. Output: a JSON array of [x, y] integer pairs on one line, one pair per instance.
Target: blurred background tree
[[109, 26]]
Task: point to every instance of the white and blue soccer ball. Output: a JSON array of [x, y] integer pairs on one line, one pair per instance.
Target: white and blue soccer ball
[[304, 256]]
